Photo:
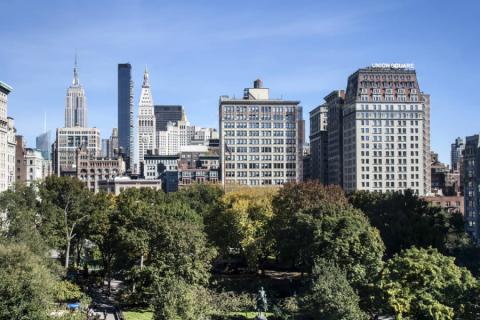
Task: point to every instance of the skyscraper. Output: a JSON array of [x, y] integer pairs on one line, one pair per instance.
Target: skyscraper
[[76, 103], [43, 144], [318, 144], [261, 139], [167, 113], [386, 131], [456, 153], [334, 103], [146, 120], [125, 111]]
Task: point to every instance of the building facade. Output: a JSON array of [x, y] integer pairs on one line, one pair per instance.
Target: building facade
[[91, 170], [68, 140], [261, 139], [177, 135], [453, 204], [119, 184], [126, 137], [386, 131], [167, 113], [42, 143], [7, 141], [146, 120], [20, 173], [155, 165], [76, 103], [106, 148], [471, 186], [335, 102], [456, 153], [318, 144], [34, 166], [444, 180]]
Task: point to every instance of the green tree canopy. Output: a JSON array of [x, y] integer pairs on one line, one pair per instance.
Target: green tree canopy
[[241, 222], [175, 299], [65, 207], [330, 296], [27, 286], [405, 220], [424, 284], [21, 223], [313, 221]]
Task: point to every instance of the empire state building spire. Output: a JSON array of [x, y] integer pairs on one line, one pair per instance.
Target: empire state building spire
[[76, 81], [76, 103]]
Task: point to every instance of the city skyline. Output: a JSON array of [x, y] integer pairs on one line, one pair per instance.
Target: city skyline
[[325, 44]]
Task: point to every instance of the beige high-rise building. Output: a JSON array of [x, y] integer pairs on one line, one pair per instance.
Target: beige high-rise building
[[261, 139], [65, 148], [76, 103], [386, 131], [7, 141]]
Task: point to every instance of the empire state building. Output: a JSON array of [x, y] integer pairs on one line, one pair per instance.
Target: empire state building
[[76, 103]]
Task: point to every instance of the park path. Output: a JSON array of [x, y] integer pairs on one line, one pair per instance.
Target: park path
[[105, 304]]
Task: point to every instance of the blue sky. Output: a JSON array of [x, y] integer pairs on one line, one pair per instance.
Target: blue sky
[[199, 50]]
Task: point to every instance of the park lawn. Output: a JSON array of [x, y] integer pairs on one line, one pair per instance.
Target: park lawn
[[248, 315], [148, 315], [138, 315]]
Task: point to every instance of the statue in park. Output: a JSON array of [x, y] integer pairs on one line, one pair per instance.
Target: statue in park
[[262, 305]]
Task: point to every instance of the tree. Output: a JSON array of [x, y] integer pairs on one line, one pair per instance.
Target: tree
[[242, 221], [202, 198], [404, 220], [102, 230], [20, 223], [135, 210], [65, 206], [178, 300], [424, 284], [179, 247], [168, 237], [313, 221], [330, 296], [27, 286], [292, 235]]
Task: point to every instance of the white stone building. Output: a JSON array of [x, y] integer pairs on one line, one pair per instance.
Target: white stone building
[[261, 139], [76, 103], [170, 141], [386, 131], [34, 165], [146, 120], [68, 141], [7, 141]]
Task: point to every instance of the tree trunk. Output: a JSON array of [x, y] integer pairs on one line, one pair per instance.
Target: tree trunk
[[79, 251], [67, 256], [141, 262]]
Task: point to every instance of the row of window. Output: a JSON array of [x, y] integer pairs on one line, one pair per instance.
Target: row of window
[[288, 165], [242, 174], [264, 157], [257, 125], [256, 182], [263, 109], [388, 169]]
